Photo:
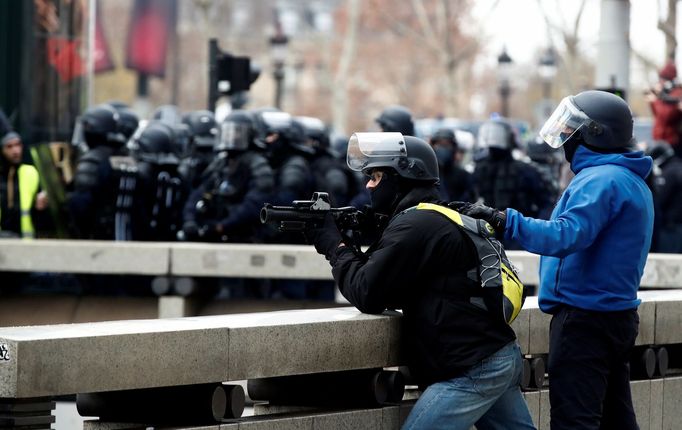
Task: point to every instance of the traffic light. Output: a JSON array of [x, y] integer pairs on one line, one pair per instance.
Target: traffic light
[[228, 74]]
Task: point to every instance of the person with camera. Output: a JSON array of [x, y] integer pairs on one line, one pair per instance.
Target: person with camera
[[466, 356], [594, 248], [665, 101]]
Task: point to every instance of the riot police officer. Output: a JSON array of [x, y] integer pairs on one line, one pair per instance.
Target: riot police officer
[[92, 203], [455, 182], [667, 181], [150, 205], [329, 172], [396, 118], [226, 206], [504, 181], [203, 132]]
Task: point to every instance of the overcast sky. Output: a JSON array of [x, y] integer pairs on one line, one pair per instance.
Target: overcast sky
[[520, 26]]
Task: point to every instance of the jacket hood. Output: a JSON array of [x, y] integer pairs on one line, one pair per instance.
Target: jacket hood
[[635, 161]]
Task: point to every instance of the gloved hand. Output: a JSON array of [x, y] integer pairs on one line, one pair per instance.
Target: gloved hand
[[496, 218], [326, 238]]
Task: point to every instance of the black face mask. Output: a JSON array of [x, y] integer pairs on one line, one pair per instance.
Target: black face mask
[[384, 195], [571, 146]]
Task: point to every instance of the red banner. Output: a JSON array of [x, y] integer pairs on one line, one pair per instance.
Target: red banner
[[152, 26]]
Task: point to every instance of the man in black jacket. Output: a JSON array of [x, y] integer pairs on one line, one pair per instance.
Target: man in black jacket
[[467, 357]]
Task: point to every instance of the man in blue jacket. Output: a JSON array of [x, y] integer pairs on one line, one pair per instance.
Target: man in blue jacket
[[593, 249]]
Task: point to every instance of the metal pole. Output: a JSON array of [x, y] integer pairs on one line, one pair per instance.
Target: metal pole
[[613, 57], [505, 90], [279, 78], [92, 22]]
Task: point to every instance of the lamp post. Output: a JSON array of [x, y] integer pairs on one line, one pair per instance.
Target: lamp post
[[547, 70], [278, 51], [504, 64]]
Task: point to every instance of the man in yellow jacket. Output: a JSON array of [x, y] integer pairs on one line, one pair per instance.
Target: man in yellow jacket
[[19, 189]]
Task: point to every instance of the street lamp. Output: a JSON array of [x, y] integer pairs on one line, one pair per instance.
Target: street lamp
[[547, 70], [278, 51], [504, 65]]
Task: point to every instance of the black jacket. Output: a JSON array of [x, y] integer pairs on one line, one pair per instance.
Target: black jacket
[[419, 265]]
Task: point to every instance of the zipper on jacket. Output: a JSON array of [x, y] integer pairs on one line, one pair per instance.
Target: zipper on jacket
[[556, 279]]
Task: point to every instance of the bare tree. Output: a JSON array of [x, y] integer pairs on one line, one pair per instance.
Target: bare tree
[[342, 75], [669, 27], [570, 60]]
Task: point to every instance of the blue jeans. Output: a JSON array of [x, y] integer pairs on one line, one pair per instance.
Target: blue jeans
[[487, 396]]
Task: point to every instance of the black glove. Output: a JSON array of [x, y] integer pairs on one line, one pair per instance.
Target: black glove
[[495, 218], [326, 238]]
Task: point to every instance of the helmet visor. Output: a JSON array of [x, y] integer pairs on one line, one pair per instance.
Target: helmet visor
[[78, 136], [234, 136], [277, 122], [364, 148], [564, 122], [493, 135]]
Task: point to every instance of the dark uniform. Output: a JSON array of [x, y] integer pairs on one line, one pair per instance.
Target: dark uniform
[[101, 132], [503, 181], [667, 182], [455, 182]]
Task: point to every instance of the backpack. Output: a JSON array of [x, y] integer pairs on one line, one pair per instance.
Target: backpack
[[502, 293]]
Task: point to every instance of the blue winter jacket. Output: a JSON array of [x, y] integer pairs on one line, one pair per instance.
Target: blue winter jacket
[[595, 244]]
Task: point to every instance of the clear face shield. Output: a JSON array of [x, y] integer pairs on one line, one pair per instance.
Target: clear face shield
[[493, 135], [366, 148], [564, 122], [78, 137], [234, 136]]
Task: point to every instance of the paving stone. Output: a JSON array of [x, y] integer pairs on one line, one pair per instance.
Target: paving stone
[[641, 401]]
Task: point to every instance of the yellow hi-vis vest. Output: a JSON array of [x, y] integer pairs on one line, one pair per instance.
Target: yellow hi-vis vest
[[502, 291], [29, 182]]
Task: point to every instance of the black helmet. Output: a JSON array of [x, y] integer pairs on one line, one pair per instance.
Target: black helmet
[[268, 121], [409, 156], [236, 132], [170, 114], [203, 128], [127, 121], [314, 130], [99, 126], [661, 151], [156, 143], [397, 119], [603, 120], [444, 134]]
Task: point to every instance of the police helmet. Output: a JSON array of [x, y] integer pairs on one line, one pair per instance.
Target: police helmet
[[314, 131], [236, 132], [445, 135], [98, 126], [127, 122], [661, 151], [202, 127], [603, 120], [170, 114], [268, 121], [156, 143], [409, 156], [396, 119], [497, 134]]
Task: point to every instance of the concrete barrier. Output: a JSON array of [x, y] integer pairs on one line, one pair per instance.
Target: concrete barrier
[[234, 260], [38, 363]]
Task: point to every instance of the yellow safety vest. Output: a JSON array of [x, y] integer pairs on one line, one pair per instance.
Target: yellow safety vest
[[29, 182]]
